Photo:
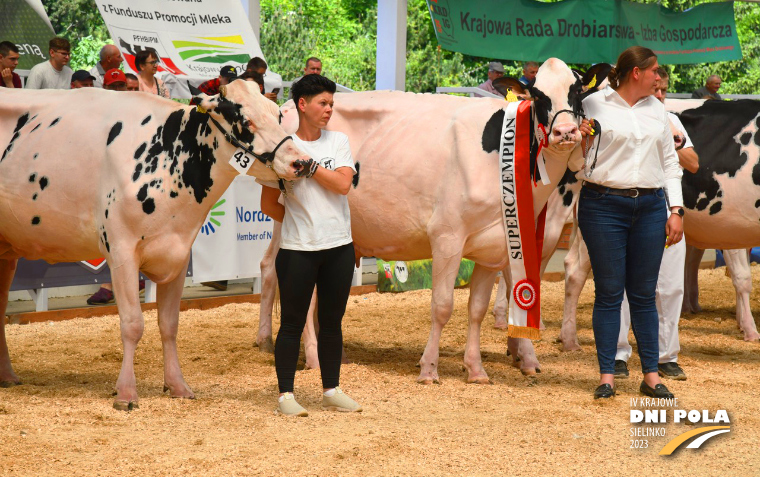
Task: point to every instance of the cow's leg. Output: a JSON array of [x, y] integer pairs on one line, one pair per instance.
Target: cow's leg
[[523, 356], [500, 305], [126, 289], [7, 377], [577, 269], [481, 285], [691, 280], [309, 335], [737, 262], [168, 296], [447, 254], [268, 291]]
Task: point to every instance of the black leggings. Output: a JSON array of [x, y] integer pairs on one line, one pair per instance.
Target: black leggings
[[331, 271]]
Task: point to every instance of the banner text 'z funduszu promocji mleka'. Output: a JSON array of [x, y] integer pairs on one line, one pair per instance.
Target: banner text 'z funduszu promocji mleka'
[[585, 31]]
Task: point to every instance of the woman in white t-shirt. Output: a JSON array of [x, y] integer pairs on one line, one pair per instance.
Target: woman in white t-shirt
[[316, 246]]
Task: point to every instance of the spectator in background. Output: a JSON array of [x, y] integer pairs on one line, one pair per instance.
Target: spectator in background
[[709, 90], [313, 67], [8, 62], [54, 73], [258, 65], [110, 58], [227, 74], [254, 76], [115, 80], [132, 83], [82, 79], [495, 70], [530, 70], [146, 62]]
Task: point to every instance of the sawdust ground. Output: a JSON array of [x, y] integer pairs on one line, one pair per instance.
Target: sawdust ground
[[60, 422]]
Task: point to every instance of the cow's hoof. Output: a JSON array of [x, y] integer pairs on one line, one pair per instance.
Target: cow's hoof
[[479, 380], [121, 405], [308, 365], [266, 345], [10, 383], [530, 372], [571, 347], [428, 380], [752, 337], [187, 394], [500, 325]]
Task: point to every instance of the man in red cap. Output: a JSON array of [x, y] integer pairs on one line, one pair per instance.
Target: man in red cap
[[115, 80]]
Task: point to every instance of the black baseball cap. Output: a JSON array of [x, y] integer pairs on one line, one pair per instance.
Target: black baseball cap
[[228, 72], [81, 75]]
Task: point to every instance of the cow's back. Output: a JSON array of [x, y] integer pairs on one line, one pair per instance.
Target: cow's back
[[55, 158], [723, 196], [423, 162]]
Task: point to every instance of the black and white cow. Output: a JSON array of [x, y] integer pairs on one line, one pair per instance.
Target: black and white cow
[[723, 208], [92, 173]]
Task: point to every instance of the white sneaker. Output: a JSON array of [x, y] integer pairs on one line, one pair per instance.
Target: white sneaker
[[340, 402], [289, 407]]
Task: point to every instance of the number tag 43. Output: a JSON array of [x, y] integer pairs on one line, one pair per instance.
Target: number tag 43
[[241, 161]]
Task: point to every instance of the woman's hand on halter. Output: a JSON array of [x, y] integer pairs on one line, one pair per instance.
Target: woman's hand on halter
[[586, 130]]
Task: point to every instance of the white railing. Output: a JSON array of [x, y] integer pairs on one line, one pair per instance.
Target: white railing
[[338, 87], [724, 96], [469, 90]]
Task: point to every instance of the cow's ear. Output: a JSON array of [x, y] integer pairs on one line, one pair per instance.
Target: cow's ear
[[504, 84], [205, 102], [596, 75]]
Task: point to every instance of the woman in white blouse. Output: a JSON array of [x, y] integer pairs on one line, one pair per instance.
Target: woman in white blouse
[[632, 177]]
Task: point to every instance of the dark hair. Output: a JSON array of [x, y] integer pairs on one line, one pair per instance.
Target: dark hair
[[256, 63], [142, 56], [130, 76], [255, 76], [662, 72], [633, 57], [314, 59], [6, 47], [59, 43], [310, 86]]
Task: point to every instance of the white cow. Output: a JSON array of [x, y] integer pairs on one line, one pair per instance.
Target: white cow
[[92, 173], [429, 187]]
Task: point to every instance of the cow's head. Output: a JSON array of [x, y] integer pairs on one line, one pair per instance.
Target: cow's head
[[253, 120], [557, 102]]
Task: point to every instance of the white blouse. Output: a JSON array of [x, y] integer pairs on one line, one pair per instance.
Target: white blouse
[[636, 147]]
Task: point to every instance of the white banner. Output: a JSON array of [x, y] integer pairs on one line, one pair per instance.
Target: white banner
[[193, 39], [234, 236]]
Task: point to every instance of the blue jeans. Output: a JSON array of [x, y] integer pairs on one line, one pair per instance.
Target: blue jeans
[[625, 238]]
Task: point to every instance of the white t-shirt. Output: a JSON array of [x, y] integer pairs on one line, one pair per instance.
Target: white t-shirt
[[316, 218], [44, 76]]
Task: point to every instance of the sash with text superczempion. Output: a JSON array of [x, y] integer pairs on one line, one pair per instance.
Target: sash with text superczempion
[[524, 233]]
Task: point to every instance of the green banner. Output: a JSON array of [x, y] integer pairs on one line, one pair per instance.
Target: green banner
[[22, 24], [398, 276], [585, 31]]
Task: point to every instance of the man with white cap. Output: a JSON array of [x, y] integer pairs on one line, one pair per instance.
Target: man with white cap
[[495, 70]]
